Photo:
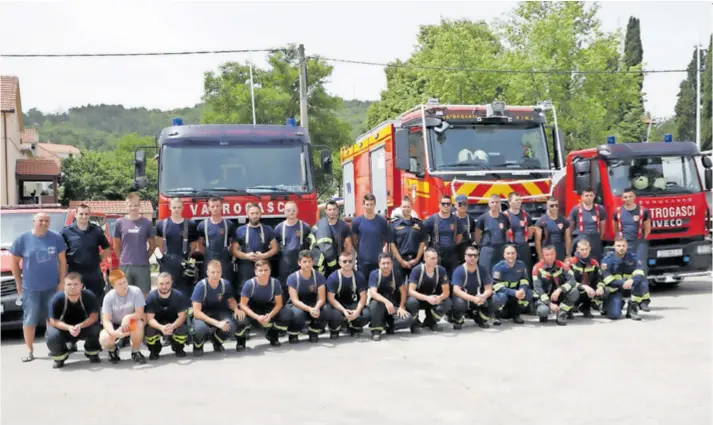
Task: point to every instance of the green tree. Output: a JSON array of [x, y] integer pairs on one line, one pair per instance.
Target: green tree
[[106, 175], [686, 105], [227, 99], [707, 109], [633, 49], [632, 129]]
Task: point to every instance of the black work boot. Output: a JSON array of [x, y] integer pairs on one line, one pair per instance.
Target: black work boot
[[273, 335], [313, 337], [376, 335], [587, 313], [457, 326], [544, 319], [153, 352], [197, 351], [562, 318], [114, 355], [58, 364], [293, 339], [431, 324], [93, 358], [333, 334], [632, 311], [517, 319], [240, 345], [644, 305], [496, 320], [482, 323], [178, 350]]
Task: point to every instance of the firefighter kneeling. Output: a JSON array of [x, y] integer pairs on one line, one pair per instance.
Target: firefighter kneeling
[[512, 289], [428, 290], [623, 279], [166, 316], [586, 273], [551, 295]]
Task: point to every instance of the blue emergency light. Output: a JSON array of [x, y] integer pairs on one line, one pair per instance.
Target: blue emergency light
[[611, 140], [177, 121], [291, 121], [667, 138]]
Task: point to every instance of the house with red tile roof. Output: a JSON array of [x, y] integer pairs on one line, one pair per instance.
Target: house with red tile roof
[[115, 208]]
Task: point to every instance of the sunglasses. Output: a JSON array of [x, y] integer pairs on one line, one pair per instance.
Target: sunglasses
[[471, 255], [462, 204], [446, 204], [347, 261], [553, 206]]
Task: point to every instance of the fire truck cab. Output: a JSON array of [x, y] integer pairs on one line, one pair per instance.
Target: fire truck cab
[[473, 150], [666, 180]]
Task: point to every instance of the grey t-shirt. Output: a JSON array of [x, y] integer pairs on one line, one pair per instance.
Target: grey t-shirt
[[134, 235], [119, 307]]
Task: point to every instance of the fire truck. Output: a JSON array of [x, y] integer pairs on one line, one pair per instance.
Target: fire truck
[[266, 165], [473, 150], [666, 180]]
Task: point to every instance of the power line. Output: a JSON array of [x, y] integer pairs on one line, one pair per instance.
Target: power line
[[106, 55], [499, 71]]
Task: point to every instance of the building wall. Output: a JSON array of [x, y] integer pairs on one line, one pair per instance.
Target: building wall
[[8, 188]]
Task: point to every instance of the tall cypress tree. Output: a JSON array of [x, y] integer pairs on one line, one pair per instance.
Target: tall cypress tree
[[686, 105], [630, 127], [633, 49], [707, 108]]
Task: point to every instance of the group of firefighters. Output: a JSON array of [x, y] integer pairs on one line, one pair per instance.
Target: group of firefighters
[[333, 276]]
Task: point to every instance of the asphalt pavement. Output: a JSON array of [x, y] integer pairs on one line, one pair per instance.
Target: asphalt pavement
[[657, 371]]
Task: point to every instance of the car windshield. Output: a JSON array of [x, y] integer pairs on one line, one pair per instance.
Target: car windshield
[[668, 174], [15, 224], [239, 167], [491, 147]]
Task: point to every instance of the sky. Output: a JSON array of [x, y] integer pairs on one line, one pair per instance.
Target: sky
[[368, 31]]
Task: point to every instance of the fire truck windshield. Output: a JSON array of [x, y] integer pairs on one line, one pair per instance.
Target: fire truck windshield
[[222, 168], [647, 176], [16, 223], [490, 147]]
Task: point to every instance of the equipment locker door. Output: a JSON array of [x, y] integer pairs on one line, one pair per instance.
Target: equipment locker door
[[348, 188], [378, 178]]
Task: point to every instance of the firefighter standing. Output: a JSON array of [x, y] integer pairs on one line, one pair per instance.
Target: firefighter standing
[[388, 300], [216, 235], [254, 241], [329, 238], [445, 233], [588, 221], [555, 290], [370, 232], [428, 290], [472, 292], [467, 223], [623, 279], [521, 229], [552, 230], [292, 236], [346, 298], [633, 222], [490, 234], [587, 275], [176, 238], [512, 289], [409, 243]]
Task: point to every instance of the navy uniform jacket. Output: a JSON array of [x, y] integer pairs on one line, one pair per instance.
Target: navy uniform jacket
[[615, 270], [509, 279]]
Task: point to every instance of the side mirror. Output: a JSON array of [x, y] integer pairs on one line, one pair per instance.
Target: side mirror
[[325, 159], [401, 150], [433, 122], [581, 182], [708, 175], [706, 161], [139, 164], [581, 167], [558, 149]]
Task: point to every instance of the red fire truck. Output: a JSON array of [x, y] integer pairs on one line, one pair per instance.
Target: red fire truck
[[261, 164], [474, 150], [666, 180]]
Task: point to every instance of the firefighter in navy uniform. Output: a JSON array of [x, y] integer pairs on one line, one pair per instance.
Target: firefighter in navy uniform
[[166, 316], [587, 275], [388, 300], [472, 292], [216, 235], [490, 233], [328, 239], [555, 290], [445, 233], [467, 223], [428, 290], [346, 299], [623, 279], [262, 301], [512, 288], [521, 229], [254, 241], [633, 222], [308, 296], [409, 240], [588, 221], [292, 236], [552, 230]]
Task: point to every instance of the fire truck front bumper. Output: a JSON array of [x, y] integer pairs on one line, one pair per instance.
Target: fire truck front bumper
[[671, 263]]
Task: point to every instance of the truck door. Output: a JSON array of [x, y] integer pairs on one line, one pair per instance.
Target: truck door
[[378, 177], [348, 188]]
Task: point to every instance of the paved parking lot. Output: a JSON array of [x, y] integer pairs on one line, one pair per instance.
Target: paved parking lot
[[591, 372]]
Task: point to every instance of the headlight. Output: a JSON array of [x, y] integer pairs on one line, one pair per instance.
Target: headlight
[[704, 249]]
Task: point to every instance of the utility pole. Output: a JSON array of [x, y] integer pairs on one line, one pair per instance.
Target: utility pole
[[698, 96], [303, 88], [252, 93]]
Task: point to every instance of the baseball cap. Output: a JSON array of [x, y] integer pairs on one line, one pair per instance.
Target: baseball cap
[[461, 198]]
